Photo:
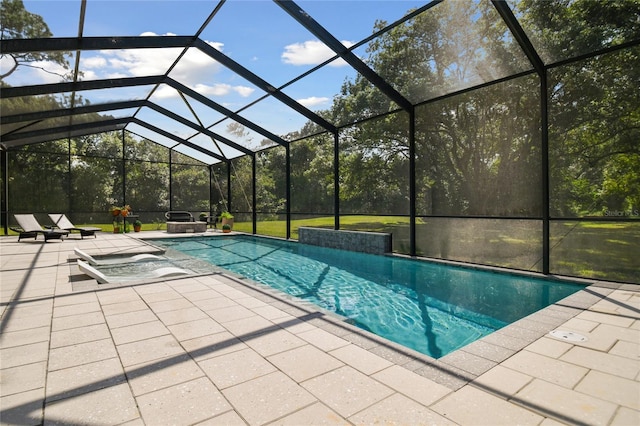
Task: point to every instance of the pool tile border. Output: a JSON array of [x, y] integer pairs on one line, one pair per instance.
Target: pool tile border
[[457, 368]]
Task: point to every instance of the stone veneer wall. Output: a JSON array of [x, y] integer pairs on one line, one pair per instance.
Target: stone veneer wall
[[366, 242], [183, 227]]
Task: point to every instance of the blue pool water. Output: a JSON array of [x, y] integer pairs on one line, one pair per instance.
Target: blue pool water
[[429, 307]]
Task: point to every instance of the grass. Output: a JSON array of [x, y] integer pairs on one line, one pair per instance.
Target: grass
[[588, 249], [278, 228]]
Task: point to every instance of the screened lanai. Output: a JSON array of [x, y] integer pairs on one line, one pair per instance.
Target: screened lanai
[[501, 133]]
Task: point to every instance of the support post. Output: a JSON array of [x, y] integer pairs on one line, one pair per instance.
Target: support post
[[210, 167], [254, 214], [288, 189], [170, 178], [412, 181], [336, 181], [229, 186], [4, 165], [546, 213], [124, 172], [69, 180]]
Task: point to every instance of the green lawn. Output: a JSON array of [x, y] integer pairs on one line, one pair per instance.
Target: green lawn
[[277, 228], [598, 250]]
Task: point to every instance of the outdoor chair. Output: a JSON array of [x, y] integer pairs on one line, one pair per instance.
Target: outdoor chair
[[179, 216], [29, 227], [114, 259], [62, 222], [169, 271]]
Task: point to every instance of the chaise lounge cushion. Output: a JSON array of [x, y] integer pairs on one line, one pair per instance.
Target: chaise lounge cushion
[[30, 228], [61, 221]]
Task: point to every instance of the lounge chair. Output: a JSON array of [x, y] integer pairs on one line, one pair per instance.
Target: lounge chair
[[30, 228], [114, 260], [61, 221], [169, 271]]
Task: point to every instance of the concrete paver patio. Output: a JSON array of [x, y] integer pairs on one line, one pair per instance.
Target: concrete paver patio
[[215, 350]]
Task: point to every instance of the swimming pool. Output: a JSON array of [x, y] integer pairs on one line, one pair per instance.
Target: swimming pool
[[430, 307]]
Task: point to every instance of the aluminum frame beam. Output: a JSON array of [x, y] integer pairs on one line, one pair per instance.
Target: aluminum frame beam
[[259, 82], [518, 33], [105, 43], [51, 88], [297, 13], [224, 111], [85, 109], [57, 44]]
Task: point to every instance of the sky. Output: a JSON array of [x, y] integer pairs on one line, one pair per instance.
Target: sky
[[258, 34]]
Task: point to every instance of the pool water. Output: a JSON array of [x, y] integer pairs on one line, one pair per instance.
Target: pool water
[[135, 271], [429, 307]]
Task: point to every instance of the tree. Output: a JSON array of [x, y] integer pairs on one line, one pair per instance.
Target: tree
[[17, 22], [473, 150], [41, 171], [594, 104], [312, 186]]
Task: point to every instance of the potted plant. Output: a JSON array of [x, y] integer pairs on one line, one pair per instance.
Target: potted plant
[[120, 211], [226, 219], [137, 225], [226, 228], [116, 226], [203, 217]]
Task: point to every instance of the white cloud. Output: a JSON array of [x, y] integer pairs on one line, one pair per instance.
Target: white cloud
[[152, 34], [116, 75], [215, 90], [313, 101], [311, 52], [196, 69], [92, 62], [165, 92], [141, 62], [6, 62], [88, 75], [38, 72], [215, 44], [193, 67], [243, 91]]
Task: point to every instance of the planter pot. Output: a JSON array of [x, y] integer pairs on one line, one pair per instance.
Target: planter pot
[[137, 228], [227, 222], [116, 230], [226, 231]]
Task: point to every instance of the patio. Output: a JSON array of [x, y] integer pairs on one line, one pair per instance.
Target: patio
[[216, 350]]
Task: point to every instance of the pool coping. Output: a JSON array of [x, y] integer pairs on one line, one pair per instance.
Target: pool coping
[[457, 368]]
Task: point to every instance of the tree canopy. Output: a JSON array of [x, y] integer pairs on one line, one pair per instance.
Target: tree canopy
[[17, 22]]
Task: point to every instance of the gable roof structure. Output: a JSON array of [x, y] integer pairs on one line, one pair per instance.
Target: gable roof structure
[[27, 127], [197, 93]]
